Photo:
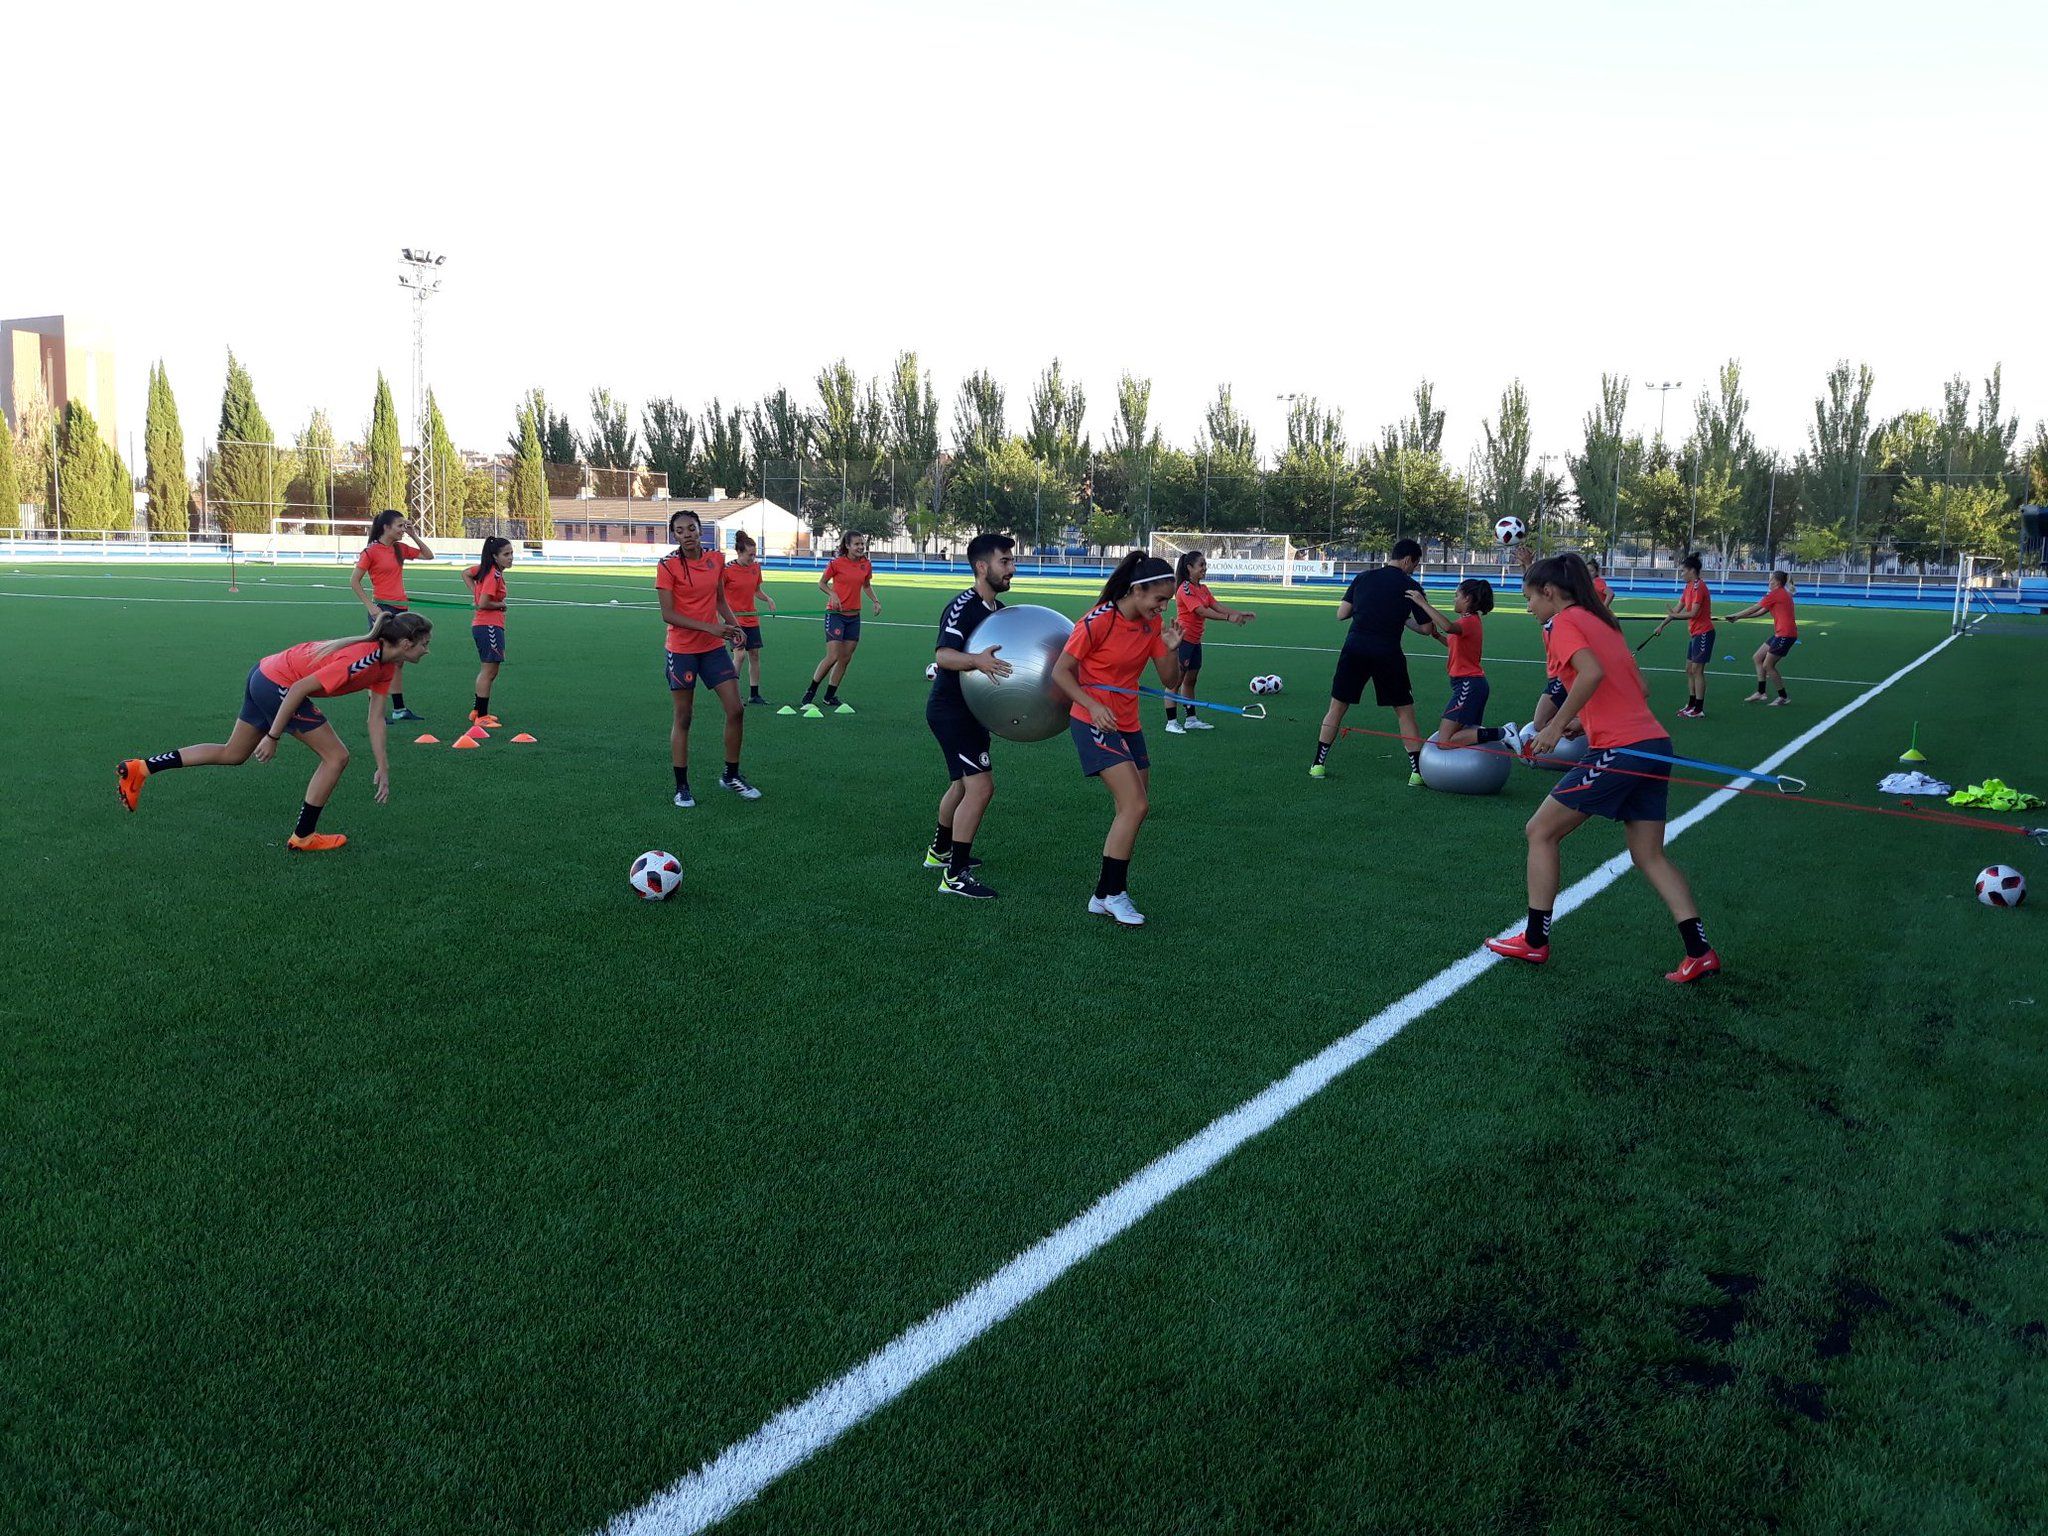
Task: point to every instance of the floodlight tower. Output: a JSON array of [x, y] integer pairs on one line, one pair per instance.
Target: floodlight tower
[[1663, 394], [422, 275]]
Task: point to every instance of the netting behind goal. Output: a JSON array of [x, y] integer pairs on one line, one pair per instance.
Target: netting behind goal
[[319, 542], [1253, 556]]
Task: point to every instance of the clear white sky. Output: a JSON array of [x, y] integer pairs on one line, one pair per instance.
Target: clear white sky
[[692, 199]]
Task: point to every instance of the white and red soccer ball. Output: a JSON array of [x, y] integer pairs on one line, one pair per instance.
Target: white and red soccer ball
[[1510, 531], [656, 875], [2001, 886]]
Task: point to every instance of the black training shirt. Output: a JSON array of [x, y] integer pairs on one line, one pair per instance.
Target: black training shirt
[[962, 614], [1380, 609]]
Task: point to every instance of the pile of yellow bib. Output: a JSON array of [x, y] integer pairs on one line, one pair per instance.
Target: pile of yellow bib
[[1996, 795]]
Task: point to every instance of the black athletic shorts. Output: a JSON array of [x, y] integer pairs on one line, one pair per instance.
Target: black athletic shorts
[[1387, 672], [963, 740]]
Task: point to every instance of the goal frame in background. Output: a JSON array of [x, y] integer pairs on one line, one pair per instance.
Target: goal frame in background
[[346, 536], [1245, 556]]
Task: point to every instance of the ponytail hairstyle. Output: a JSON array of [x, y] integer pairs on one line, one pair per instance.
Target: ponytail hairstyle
[[846, 544], [1183, 568], [1480, 590], [1137, 569], [1568, 574], [742, 541], [382, 521], [1781, 578], [1691, 563], [488, 561], [400, 628]]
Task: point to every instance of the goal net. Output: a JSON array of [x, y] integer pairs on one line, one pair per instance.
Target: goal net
[[1256, 556], [322, 541]]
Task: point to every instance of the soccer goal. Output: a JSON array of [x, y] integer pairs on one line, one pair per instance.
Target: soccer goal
[[1257, 556], [292, 540]]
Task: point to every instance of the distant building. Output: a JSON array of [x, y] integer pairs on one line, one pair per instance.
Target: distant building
[[617, 520], [72, 358]]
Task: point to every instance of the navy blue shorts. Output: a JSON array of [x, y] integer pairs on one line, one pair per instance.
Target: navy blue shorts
[[712, 668], [842, 626], [1781, 645], [1700, 648], [261, 698], [1468, 700], [1556, 691], [962, 739], [1388, 672], [1593, 787], [1189, 654], [753, 640], [1105, 749], [392, 607], [490, 641]]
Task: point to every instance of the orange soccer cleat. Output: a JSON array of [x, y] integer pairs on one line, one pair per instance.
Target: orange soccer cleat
[[130, 775], [316, 842], [1693, 967], [489, 722]]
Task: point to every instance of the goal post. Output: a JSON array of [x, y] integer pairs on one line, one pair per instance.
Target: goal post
[[1246, 556], [324, 541]]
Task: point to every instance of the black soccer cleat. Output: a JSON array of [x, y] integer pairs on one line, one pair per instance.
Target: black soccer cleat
[[966, 885]]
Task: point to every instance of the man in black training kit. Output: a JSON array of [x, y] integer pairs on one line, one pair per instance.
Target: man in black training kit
[[1377, 605], [964, 740]]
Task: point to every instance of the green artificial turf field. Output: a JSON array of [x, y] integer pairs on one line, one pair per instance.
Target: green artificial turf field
[[438, 1186]]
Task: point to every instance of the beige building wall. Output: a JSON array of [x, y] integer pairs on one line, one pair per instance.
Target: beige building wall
[[74, 358]]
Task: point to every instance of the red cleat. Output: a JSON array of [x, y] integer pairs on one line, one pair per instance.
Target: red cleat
[[131, 774], [1693, 967], [1519, 948]]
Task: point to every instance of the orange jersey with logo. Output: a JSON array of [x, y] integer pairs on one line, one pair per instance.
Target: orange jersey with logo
[[848, 577], [743, 592], [1466, 645], [492, 586], [1778, 604], [695, 584], [1702, 620], [385, 564], [1113, 650], [1189, 602], [351, 669], [1618, 714], [1606, 592]]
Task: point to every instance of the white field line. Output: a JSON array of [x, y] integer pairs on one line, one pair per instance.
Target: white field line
[[747, 1467]]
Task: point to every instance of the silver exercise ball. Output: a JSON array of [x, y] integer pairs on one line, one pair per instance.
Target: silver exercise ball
[[1025, 706], [1569, 750], [1464, 770]]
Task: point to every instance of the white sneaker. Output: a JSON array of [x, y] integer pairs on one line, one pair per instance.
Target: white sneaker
[[1119, 907], [685, 800], [1173, 728], [1198, 725], [1511, 737]]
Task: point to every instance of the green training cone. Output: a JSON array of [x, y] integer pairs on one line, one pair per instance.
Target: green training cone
[[785, 710], [812, 712], [1913, 754], [844, 709]]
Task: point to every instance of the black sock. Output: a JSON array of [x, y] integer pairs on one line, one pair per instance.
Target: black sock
[[1694, 932], [1491, 733], [957, 864], [166, 760], [398, 701], [1415, 762], [309, 818], [1115, 877], [811, 692], [682, 777], [1170, 711], [483, 703], [832, 694], [754, 691], [1322, 753], [1781, 693], [942, 840], [732, 770], [1538, 931]]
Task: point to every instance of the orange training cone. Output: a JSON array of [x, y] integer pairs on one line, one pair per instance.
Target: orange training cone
[[522, 736], [462, 741], [426, 741]]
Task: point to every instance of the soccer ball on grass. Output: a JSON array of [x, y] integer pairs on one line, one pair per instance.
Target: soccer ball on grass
[[2001, 886], [1268, 682], [656, 875]]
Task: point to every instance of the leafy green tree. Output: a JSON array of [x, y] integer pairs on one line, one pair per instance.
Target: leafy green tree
[[725, 447], [244, 482], [1721, 450], [163, 451], [1104, 529], [849, 428], [313, 490], [671, 436], [780, 432], [1314, 491], [1223, 477], [483, 502], [1656, 501], [449, 473], [527, 495], [2037, 464], [1010, 490], [612, 443], [1056, 411], [82, 481], [913, 411], [387, 453], [979, 423], [120, 492], [557, 437], [1134, 449], [1970, 516], [1597, 469], [10, 483], [1506, 488], [35, 446], [1838, 445], [1817, 544]]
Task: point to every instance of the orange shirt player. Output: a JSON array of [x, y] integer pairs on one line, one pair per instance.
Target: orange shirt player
[[743, 591], [392, 543], [277, 701], [1108, 650], [1784, 635], [1464, 637], [1604, 690], [1194, 606], [1695, 605], [845, 579], [690, 583]]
